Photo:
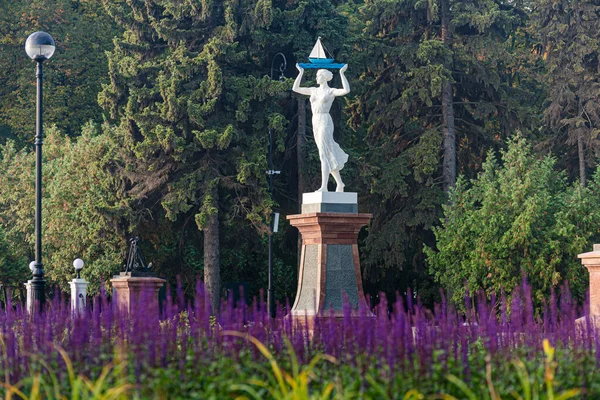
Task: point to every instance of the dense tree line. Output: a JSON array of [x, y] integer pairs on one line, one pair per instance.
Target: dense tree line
[[159, 114]]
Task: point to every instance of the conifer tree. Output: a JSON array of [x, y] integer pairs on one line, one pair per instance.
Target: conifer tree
[[83, 32], [518, 218], [570, 33], [430, 69], [191, 97]]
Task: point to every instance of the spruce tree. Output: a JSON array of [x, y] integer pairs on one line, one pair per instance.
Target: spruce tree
[[438, 85], [73, 77], [191, 98], [570, 32]]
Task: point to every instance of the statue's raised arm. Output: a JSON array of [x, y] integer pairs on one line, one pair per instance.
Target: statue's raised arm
[[345, 85], [296, 88]]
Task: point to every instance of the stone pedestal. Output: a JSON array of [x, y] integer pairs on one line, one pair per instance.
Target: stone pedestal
[[29, 297], [329, 271], [78, 295], [591, 261], [133, 293]]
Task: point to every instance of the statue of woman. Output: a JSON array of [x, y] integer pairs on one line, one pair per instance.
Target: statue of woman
[[332, 156]]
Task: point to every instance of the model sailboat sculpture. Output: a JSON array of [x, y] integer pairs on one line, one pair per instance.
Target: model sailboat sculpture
[[317, 55], [319, 59]]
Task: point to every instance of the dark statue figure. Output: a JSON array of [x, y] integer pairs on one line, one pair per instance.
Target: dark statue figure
[[136, 265]]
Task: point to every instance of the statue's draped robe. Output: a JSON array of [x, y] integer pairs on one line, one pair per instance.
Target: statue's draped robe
[[330, 152]]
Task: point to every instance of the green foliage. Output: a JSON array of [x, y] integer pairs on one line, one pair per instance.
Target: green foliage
[[185, 88], [17, 203], [83, 32], [282, 384], [110, 385], [569, 34], [12, 271], [517, 218], [398, 109], [536, 390], [83, 207], [190, 94]]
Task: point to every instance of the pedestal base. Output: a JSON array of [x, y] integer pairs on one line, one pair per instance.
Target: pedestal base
[[78, 295], [591, 261], [591, 321], [329, 273], [29, 297], [137, 293]]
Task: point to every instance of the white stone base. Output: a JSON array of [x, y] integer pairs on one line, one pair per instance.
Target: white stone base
[[329, 202], [29, 301], [330, 197], [78, 295]]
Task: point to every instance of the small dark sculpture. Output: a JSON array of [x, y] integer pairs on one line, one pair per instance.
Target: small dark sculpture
[[136, 265]]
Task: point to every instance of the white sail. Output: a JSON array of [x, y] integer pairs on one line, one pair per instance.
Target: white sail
[[318, 51]]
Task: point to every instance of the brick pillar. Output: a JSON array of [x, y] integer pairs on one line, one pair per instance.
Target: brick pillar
[[591, 261], [329, 263], [133, 293]]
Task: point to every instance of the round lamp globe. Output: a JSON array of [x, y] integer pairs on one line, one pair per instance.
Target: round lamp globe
[[78, 264], [40, 46]]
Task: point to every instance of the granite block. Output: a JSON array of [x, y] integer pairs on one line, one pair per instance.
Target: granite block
[[329, 207], [307, 300], [340, 277]]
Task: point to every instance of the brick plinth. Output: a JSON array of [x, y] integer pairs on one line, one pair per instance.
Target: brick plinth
[[329, 263], [137, 293], [591, 261]]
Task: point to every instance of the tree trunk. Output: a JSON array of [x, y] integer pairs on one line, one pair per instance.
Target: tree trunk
[[448, 129], [581, 153], [212, 268], [580, 149]]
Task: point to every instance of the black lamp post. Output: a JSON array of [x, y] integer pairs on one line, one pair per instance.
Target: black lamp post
[[271, 172], [39, 47]]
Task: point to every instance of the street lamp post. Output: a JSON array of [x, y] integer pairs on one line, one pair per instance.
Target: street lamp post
[[271, 172], [39, 47]]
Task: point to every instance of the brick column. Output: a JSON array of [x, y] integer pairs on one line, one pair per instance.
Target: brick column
[[591, 261], [132, 293], [329, 263]]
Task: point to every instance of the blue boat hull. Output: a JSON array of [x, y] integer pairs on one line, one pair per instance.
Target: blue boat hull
[[321, 60], [321, 66]]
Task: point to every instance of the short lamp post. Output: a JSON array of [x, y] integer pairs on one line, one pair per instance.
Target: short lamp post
[[271, 172], [78, 289], [39, 47]]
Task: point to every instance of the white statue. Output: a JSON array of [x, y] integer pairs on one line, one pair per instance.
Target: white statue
[[332, 156]]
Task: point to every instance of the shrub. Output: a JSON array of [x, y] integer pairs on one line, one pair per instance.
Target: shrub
[[519, 217]]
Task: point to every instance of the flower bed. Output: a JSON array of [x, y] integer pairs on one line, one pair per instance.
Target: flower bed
[[403, 350]]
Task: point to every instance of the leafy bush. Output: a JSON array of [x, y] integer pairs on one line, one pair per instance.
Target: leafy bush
[[84, 208], [519, 217]]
